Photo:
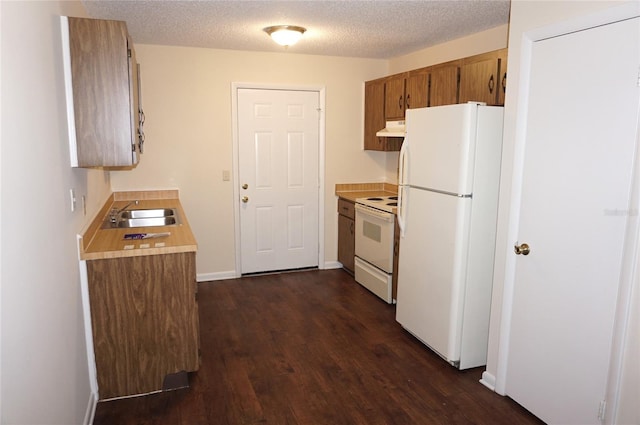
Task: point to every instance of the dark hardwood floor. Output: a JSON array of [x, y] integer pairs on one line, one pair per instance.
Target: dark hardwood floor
[[315, 348]]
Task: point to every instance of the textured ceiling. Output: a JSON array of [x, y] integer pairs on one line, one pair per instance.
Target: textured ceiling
[[370, 29]]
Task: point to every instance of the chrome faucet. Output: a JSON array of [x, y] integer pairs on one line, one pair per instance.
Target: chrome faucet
[[115, 212]]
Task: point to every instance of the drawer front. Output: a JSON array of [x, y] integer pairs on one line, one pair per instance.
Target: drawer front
[[346, 208]]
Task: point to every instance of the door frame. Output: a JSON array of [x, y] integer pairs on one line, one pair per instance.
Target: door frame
[[236, 162], [629, 275]]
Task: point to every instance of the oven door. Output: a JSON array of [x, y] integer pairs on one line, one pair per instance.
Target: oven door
[[374, 237]]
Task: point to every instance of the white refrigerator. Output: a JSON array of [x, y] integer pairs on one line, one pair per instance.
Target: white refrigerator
[[449, 175]]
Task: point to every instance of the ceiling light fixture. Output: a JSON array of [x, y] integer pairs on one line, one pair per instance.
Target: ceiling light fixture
[[285, 35]]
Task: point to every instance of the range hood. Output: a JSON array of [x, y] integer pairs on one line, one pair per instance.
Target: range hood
[[392, 129]]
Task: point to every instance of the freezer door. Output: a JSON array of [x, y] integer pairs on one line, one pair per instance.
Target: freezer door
[[432, 269], [443, 138]]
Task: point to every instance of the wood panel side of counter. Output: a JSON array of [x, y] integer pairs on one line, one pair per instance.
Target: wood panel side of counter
[[144, 316]]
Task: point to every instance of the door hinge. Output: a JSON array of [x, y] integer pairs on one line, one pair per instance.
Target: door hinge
[[602, 410], [129, 53]]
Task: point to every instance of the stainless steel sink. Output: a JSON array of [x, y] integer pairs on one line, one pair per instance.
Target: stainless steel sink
[[141, 218], [151, 213], [147, 222]]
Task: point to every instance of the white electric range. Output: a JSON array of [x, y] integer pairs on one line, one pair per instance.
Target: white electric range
[[375, 226]]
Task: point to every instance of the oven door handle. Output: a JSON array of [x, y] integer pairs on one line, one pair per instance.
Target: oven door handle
[[382, 215]]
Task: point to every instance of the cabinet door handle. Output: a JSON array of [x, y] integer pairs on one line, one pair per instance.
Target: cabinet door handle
[[504, 83], [141, 119], [491, 84], [400, 102], [351, 227], [408, 101]]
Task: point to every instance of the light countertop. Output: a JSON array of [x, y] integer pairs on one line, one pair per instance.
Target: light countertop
[[353, 191], [100, 243]]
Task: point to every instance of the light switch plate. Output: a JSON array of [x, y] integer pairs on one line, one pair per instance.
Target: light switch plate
[[73, 199]]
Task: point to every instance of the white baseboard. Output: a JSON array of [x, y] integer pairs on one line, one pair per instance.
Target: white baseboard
[[332, 265], [488, 380], [231, 274], [204, 277], [91, 409]]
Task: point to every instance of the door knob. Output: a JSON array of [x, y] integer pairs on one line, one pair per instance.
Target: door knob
[[245, 186], [521, 249], [245, 199]]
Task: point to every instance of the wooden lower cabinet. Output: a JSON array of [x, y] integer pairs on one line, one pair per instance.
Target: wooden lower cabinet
[[144, 315], [346, 234]]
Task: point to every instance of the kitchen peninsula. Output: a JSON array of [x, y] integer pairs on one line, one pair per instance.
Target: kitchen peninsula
[[143, 299]]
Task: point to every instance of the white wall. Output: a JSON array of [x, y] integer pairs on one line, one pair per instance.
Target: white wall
[[187, 101], [43, 369], [525, 16]]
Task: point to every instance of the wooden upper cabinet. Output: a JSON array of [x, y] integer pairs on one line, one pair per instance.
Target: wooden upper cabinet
[[480, 78], [394, 98], [416, 89], [102, 90], [373, 113], [405, 91], [443, 86], [374, 119]]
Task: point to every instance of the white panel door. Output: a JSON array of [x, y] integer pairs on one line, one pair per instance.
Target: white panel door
[[278, 176], [578, 160]]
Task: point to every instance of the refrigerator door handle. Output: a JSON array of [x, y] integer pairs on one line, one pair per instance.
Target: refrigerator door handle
[[402, 162], [402, 211], [402, 167]]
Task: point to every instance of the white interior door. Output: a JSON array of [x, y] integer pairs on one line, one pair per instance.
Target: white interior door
[[278, 136], [579, 150]]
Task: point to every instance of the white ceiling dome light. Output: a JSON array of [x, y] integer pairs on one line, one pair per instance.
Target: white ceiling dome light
[[285, 35]]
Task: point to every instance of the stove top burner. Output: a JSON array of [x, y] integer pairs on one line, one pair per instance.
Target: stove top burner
[[384, 203]]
